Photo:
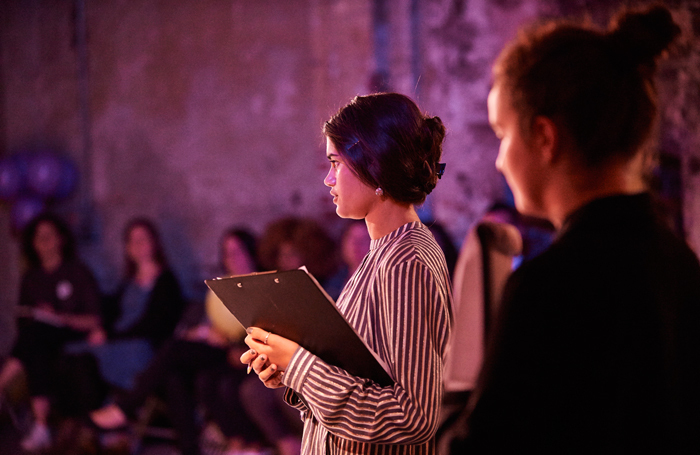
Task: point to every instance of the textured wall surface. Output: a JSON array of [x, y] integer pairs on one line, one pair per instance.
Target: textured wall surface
[[201, 114]]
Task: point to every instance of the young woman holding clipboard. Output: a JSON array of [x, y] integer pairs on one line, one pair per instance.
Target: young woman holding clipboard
[[384, 158]]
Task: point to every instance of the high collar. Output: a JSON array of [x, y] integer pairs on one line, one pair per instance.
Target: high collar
[[376, 243]]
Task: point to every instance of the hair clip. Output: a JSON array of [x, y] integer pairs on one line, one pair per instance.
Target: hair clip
[[441, 170]]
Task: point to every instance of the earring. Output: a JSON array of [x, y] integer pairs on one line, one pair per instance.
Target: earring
[[379, 192]]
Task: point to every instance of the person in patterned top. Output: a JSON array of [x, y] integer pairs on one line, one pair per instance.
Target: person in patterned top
[[384, 159]]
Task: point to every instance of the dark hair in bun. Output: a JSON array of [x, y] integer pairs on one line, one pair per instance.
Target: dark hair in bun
[[639, 38], [596, 85], [389, 143]]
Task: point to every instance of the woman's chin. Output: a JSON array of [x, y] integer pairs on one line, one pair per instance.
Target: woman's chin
[[342, 213], [349, 216]]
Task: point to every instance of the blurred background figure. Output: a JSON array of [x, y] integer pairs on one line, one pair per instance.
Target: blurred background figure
[[142, 314], [278, 423], [59, 302], [193, 368], [354, 245], [291, 242], [442, 237]]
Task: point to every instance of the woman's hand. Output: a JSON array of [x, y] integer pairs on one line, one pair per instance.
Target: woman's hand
[[277, 349], [269, 355], [267, 372]]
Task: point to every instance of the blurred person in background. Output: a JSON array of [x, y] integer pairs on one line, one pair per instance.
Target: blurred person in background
[[354, 246], [59, 302], [141, 315], [193, 366], [442, 237], [291, 242]]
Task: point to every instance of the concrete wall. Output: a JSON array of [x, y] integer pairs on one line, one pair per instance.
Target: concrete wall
[[201, 114]]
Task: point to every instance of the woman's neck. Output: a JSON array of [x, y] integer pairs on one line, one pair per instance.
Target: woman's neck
[[51, 262], [583, 185], [388, 217], [146, 273]]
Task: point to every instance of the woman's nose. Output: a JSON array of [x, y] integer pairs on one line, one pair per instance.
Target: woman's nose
[[499, 160], [330, 178]]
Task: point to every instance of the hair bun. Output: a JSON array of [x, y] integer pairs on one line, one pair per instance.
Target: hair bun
[[435, 134], [435, 126], [641, 36]]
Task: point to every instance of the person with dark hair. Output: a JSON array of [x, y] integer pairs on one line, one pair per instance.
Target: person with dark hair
[[60, 301], [291, 242], [354, 245], [442, 237], [142, 314], [197, 354], [596, 346], [384, 157]]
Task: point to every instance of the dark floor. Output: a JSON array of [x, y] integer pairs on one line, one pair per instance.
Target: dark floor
[[78, 438], [86, 445]]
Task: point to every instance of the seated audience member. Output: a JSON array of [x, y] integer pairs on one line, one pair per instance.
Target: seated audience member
[[354, 245], [442, 237], [59, 302], [596, 347], [278, 423], [198, 352], [291, 242], [142, 314]]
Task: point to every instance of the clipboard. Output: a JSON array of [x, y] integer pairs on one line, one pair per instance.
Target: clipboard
[[293, 305]]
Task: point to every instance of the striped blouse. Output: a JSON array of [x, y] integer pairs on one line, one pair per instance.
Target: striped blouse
[[399, 301]]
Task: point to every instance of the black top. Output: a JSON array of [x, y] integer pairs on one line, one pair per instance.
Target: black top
[[70, 289], [164, 309], [597, 346]]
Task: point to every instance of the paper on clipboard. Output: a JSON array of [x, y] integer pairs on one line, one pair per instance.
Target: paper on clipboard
[[293, 305]]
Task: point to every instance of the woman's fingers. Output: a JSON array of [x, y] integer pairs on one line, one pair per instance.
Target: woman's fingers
[[279, 350], [259, 364], [271, 377], [267, 372], [258, 335], [248, 356]]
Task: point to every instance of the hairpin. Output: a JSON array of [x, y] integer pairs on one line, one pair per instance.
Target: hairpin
[[441, 170]]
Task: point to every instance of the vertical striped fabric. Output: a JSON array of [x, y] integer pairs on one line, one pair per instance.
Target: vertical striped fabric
[[399, 301]]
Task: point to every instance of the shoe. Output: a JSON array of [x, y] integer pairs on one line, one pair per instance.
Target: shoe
[[37, 439], [110, 417]]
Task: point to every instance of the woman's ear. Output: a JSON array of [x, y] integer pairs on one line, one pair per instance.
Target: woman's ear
[[546, 138]]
